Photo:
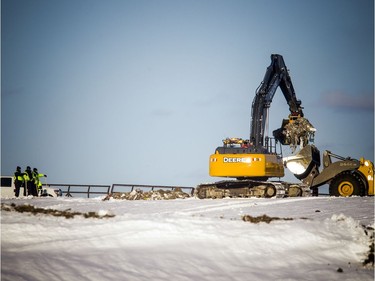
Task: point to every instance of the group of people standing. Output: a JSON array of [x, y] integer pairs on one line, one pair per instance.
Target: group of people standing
[[29, 180]]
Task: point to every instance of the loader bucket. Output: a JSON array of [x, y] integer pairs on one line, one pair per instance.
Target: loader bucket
[[303, 162]]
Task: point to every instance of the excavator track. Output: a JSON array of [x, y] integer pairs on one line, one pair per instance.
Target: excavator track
[[250, 188]]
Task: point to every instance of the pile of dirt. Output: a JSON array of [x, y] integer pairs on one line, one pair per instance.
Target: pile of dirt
[[159, 194]]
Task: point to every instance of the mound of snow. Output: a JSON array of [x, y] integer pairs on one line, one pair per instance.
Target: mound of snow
[[189, 239]]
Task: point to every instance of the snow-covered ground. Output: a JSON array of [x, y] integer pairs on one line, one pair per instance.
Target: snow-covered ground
[[188, 239]]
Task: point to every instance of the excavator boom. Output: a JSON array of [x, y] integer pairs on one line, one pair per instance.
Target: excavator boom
[[277, 75]]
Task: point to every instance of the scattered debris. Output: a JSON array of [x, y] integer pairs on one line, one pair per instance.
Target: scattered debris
[[159, 194], [56, 213], [298, 132]]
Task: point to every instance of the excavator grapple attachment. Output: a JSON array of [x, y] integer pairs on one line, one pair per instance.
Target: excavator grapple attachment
[[295, 131]]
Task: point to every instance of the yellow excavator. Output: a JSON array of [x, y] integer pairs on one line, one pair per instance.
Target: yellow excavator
[[251, 162]]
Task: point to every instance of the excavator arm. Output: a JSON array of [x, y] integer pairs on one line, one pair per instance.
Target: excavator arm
[[277, 76]]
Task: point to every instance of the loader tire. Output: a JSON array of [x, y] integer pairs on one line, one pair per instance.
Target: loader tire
[[346, 184]]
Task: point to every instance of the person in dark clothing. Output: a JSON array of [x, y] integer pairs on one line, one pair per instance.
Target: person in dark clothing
[[18, 181], [30, 182]]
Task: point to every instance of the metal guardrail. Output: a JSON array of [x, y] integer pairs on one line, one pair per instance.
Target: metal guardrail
[[95, 189], [89, 189]]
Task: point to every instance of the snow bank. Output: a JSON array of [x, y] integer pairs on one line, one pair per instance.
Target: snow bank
[[189, 239]]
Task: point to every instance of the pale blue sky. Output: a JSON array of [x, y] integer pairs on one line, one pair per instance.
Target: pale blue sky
[[102, 92]]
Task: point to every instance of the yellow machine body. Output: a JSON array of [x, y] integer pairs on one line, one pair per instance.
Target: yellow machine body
[[247, 165]]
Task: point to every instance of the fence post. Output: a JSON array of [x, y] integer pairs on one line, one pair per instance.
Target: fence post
[[68, 193]]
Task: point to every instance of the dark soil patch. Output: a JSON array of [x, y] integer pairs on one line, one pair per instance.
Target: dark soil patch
[[264, 218], [68, 214]]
